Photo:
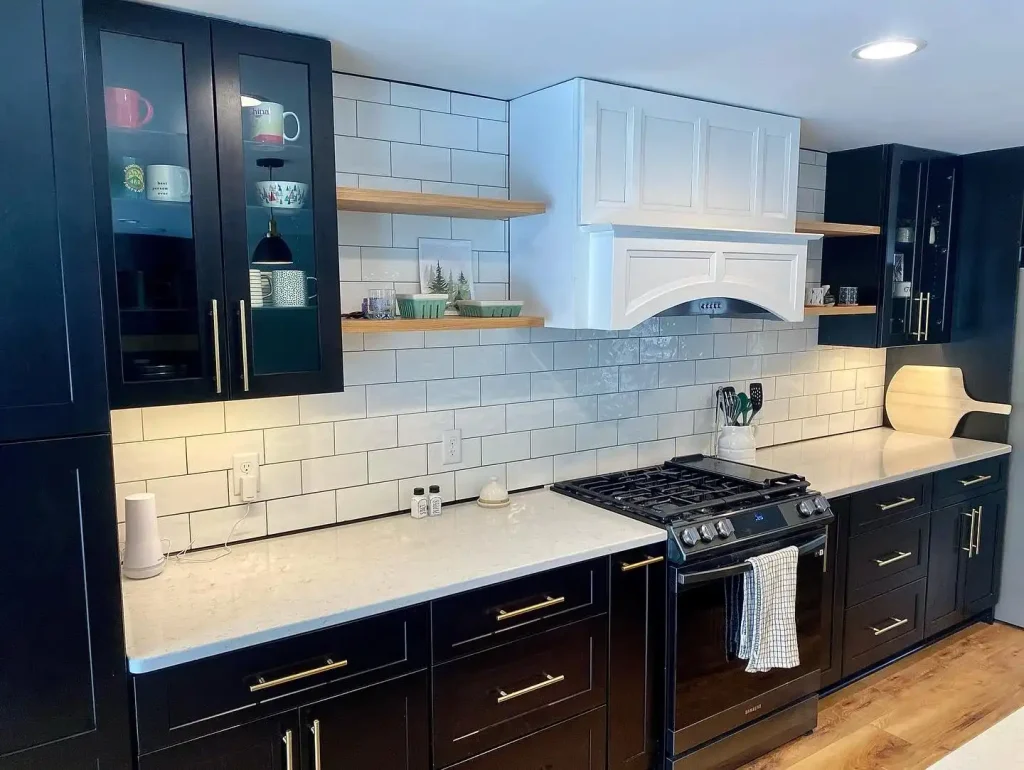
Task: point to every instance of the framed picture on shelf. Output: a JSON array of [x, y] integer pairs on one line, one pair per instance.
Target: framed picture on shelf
[[446, 267]]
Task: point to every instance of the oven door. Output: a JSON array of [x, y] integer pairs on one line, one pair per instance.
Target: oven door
[[710, 692]]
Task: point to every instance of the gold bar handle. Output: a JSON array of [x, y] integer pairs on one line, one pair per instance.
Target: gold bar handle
[[900, 555], [626, 567], [970, 537], [897, 622], [977, 534], [288, 753], [548, 681], [261, 684], [975, 480], [216, 345], [920, 313], [315, 728], [901, 502], [550, 601], [927, 314], [245, 345]]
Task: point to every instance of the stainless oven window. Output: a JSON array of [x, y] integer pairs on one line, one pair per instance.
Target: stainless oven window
[[712, 692]]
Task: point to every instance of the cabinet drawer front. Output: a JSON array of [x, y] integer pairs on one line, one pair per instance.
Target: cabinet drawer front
[[878, 507], [484, 700], [965, 481], [194, 699], [576, 744], [883, 626], [887, 558], [497, 614]]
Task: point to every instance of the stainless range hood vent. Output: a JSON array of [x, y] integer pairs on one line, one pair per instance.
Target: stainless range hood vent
[[722, 307]]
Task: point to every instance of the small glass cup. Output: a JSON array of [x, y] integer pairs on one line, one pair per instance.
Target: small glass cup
[[381, 304], [847, 295]]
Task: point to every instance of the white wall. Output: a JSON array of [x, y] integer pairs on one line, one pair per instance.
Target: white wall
[[534, 406]]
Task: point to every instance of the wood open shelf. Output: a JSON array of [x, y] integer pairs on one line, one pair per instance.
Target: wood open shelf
[[396, 202], [448, 323], [839, 310], [835, 228]]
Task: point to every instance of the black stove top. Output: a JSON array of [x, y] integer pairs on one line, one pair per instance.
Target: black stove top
[[685, 489]]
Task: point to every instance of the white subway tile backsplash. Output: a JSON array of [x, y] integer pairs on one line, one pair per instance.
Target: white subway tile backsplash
[[841, 422], [182, 420], [505, 447], [469, 482], [358, 228], [300, 442], [618, 352], [659, 349], [241, 522], [479, 361], [530, 473], [659, 401], [417, 161], [141, 460], [551, 334], [365, 89], [344, 117], [424, 427], [479, 107], [453, 394], [425, 364], [553, 441], [387, 122], [444, 130], [323, 473], [619, 458], [493, 266], [446, 481], [594, 381], [493, 136], [501, 193], [364, 435], [485, 234], [572, 411], [547, 385], [126, 425], [215, 452], [531, 357], [654, 452], [636, 429], [353, 155], [679, 373], [479, 168], [409, 228], [639, 377], [575, 465], [400, 463], [480, 421], [596, 434], [678, 325], [504, 389], [694, 397], [278, 480], [392, 340], [471, 453], [420, 98], [815, 427], [370, 367], [368, 500], [327, 407], [614, 406], [529, 415], [302, 512], [396, 398], [675, 424], [194, 492], [575, 355], [504, 336], [389, 264]]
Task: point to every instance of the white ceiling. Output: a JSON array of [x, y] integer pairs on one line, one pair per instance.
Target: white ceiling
[[963, 93]]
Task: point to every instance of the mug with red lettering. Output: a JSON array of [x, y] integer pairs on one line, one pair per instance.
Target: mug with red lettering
[[124, 107], [265, 123]]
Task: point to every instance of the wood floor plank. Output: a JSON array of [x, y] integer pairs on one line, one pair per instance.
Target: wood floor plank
[[915, 711]]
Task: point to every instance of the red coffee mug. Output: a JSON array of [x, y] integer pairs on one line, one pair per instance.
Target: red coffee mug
[[122, 107]]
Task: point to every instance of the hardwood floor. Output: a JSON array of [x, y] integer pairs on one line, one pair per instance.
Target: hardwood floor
[[917, 710]]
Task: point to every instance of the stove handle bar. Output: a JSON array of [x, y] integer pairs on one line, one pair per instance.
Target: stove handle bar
[[691, 578]]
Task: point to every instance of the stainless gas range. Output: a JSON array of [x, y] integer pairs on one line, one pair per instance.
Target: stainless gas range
[[718, 514]]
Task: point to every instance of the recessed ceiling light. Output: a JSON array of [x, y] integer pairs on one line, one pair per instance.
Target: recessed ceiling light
[[893, 48]]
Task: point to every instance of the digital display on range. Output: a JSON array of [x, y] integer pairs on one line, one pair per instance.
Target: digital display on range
[[761, 520]]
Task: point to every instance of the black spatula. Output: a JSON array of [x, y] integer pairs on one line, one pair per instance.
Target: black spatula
[[756, 399]]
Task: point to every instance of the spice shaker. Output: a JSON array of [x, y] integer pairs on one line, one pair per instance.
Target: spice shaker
[[435, 500], [420, 506]]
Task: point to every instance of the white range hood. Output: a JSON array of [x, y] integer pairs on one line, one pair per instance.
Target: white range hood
[[655, 203]]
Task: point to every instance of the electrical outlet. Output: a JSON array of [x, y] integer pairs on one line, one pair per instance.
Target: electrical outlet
[[245, 474], [860, 396], [451, 446]]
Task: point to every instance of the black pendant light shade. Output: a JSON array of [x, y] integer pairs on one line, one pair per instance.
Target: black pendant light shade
[[272, 249]]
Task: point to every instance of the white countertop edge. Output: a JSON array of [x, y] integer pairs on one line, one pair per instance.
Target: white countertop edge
[[149, 664], [996, 451]]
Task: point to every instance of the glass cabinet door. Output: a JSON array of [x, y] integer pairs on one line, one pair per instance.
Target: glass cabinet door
[[904, 297], [938, 235], [157, 202], [275, 107]]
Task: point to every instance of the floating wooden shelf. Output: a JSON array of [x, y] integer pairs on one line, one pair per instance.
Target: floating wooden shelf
[[839, 310], [835, 228], [396, 202], [448, 323]]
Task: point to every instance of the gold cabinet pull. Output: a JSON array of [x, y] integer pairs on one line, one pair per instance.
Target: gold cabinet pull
[[900, 555], [329, 666], [549, 601], [315, 729], [975, 480], [970, 538], [626, 567], [896, 623], [920, 314], [927, 314], [977, 533], [288, 753], [245, 345], [548, 681], [902, 501], [216, 345]]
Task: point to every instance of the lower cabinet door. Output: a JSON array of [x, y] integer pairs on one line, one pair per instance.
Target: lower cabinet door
[[981, 586], [384, 727], [947, 562], [576, 744], [269, 744]]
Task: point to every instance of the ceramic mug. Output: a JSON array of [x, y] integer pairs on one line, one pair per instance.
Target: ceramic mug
[[288, 288], [265, 123], [168, 183], [259, 287], [816, 294], [282, 195], [122, 107]]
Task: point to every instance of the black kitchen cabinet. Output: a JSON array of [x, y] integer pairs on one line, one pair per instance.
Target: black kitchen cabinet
[[197, 115], [268, 744], [981, 589], [62, 683], [907, 271], [636, 674], [51, 342], [384, 726], [834, 591]]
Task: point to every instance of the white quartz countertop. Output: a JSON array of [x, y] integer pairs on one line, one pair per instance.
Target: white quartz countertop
[[271, 589], [852, 462]]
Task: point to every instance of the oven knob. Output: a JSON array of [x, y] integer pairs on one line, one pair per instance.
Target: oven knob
[[725, 528], [707, 534], [690, 536], [805, 508], [820, 505]]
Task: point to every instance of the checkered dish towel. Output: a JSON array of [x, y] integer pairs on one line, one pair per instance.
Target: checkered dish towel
[[768, 624]]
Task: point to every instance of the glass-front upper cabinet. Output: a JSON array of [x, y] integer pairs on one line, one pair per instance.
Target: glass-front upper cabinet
[[154, 167], [905, 265], [278, 209]]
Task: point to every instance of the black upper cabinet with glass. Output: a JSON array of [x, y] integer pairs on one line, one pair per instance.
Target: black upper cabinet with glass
[[907, 271], [214, 175]]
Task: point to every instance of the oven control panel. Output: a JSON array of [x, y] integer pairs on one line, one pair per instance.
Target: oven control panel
[[741, 525]]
